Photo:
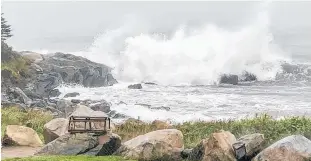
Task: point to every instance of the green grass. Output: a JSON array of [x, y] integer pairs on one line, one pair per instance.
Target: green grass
[[16, 66], [69, 158], [31, 118], [194, 132]]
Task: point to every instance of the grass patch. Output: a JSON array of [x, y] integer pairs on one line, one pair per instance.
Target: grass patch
[[16, 66], [69, 158], [31, 118], [194, 132]]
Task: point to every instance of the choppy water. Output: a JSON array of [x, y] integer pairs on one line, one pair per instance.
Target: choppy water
[[186, 61]]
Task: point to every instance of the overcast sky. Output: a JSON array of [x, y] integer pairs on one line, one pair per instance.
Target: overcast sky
[[36, 24]]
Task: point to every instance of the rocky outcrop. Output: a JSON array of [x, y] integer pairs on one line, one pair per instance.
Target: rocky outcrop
[[135, 86], [54, 129], [229, 79], [21, 135], [73, 94], [55, 93], [253, 144], [17, 94], [291, 148], [78, 70], [157, 145], [217, 147], [85, 143], [46, 83]]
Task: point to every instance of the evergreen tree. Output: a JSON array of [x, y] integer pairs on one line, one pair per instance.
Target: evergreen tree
[[5, 29]]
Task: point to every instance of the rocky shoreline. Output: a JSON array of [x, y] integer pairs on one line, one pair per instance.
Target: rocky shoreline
[[36, 89]]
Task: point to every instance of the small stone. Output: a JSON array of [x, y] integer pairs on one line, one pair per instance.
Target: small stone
[[73, 94], [135, 86]]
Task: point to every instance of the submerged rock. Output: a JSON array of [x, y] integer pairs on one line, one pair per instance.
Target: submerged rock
[[247, 77], [135, 86], [73, 94], [229, 79]]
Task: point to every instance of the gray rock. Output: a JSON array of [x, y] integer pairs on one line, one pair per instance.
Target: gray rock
[[144, 105], [46, 82], [229, 79], [62, 105], [36, 68], [73, 94], [17, 93], [247, 77], [39, 103], [135, 86], [114, 114], [7, 104], [55, 93], [108, 144], [103, 106], [75, 101], [70, 144], [186, 153], [253, 144], [161, 108], [295, 147], [78, 70], [150, 83]]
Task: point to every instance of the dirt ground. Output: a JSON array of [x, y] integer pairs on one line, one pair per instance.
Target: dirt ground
[[17, 151]]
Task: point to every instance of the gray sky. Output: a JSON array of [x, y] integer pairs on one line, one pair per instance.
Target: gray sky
[[70, 25]]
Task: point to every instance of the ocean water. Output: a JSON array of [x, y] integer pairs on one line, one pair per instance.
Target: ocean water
[[186, 63]]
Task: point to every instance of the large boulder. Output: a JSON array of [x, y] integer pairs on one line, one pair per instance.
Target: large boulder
[[218, 147], [248, 146], [84, 143], [229, 79], [157, 145], [54, 129], [78, 70], [291, 148], [108, 144], [21, 135]]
